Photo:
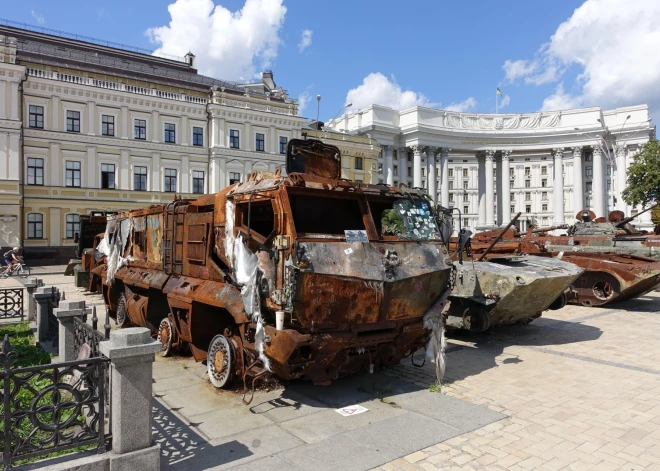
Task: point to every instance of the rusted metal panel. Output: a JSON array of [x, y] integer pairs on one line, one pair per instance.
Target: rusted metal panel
[[142, 278], [313, 158]]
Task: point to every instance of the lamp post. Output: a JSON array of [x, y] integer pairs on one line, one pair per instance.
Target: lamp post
[[347, 105]]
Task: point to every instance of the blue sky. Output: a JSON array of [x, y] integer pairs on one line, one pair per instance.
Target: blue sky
[[447, 54]]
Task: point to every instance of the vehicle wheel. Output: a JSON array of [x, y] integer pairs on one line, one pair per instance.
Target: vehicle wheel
[[559, 303], [121, 316], [220, 361], [24, 272], [166, 336], [476, 319]]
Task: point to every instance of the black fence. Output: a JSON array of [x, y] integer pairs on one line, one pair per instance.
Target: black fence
[[51, 408], [11, 303], [87, 337]]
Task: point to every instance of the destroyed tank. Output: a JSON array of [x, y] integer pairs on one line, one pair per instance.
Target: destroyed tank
[[306, 275], [607, 277], [506, 289]]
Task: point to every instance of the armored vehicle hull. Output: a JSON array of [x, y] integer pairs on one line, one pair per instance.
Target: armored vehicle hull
[[307, 276], [508, 289]]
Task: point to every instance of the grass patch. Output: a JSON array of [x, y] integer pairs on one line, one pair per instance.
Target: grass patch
[[435, 387]]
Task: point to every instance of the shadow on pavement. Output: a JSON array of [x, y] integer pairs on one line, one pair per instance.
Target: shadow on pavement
[[183, 449]]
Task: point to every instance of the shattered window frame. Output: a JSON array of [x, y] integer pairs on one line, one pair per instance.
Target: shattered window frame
[[388, 213]]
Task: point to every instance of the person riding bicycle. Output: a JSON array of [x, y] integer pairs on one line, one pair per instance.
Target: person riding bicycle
[[11, 258]]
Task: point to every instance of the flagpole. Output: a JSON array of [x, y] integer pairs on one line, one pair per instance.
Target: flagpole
[[497, 102]]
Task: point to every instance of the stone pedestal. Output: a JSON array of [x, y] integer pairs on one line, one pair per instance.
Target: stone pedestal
[[65, 314], [131, 352], [43, 297]]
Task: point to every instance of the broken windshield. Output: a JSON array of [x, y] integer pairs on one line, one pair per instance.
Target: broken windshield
[[405, 219]]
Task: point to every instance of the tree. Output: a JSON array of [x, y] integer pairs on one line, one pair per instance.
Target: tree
[[644, 176]]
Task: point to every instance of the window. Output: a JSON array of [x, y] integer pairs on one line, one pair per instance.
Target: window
[[451, 198], [528, 171], [511, 173], [395, 171], [423, 171], [451, 172], [466, 209], [36, 117], [72, 173], [107, 125], [544, 195], [589, 172], [35, 226], [513, 209], [140, 179], [528, 209], [234, 177], [107, 176], [234, 139], [465, 172], [73, 121], [609, 170], [198, 181], [358, 163], [466, 198], [35, 171], [544, 170], [609, 185], [140, 130], [283, 142], [260, 143], [528, 197], [544, 207], [544, 183], [170, 180], [323, 215], [410, 172], [198, 136], [511, 183], [588, 200], [451, 185], [170, 133], [589, 186], [588, 157], [528, 184], [72, 225], [465, 185]]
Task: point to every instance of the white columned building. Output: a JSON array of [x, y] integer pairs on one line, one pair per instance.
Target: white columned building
[[546, 165]]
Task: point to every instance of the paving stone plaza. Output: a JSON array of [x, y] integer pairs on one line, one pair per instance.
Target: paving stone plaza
[[576, 389]]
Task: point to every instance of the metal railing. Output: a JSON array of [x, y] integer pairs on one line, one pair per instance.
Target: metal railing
[[11, 303], [51, 408], [87, 337]]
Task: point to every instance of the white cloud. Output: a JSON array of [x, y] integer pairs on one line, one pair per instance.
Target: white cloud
[[614, 45], [40, 19], [305, 40], [466, 105], [303, 101], [228, 45], [505, 101], [378, 89], [561, 100]]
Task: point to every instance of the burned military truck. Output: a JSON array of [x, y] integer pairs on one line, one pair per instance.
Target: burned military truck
[[308, 276]]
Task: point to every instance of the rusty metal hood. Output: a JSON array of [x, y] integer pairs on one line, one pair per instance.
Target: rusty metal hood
[[313, 157]]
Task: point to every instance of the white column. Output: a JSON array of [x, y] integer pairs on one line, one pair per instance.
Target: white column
[[185, 175], [388, 165], [490, 189], [92, 168], [481, 185], [621, 178], [125, 177], [506, 188], [91, 118], [417, 166], [183, 132], [431, 174], [54, 175], [14, 156], [15, 97], [578, 184], [558, 186], [247, 168], [55, 113], [223, 173], [598, 182], [214, 133], [124, 122], [403, 165], [444, 162], [247, 138], [214, 173], [155, 172], [3, 94], [155, 126]]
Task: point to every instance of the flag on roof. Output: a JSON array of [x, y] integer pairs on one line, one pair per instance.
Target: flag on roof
[[499, 92]]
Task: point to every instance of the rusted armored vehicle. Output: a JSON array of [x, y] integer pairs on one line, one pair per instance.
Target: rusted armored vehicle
[[86, 240], [306, 275], [506, 289], [607, 278]]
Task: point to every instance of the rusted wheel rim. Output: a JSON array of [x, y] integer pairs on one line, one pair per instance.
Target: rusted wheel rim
[[219, 361], [165, 336], [121, 311]]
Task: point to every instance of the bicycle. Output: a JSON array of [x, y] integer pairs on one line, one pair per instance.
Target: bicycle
[[19, 268]]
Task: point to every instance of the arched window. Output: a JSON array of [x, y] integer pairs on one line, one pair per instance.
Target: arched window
[[35, 226], [72, 225]]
